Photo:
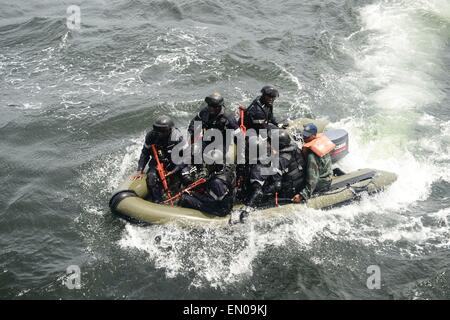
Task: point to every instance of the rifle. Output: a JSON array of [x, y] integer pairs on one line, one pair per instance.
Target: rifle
[[161, 172], [187, 189]]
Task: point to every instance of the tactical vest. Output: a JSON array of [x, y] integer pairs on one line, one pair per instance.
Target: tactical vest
[[219, 122], [292, 164], [227, 176]]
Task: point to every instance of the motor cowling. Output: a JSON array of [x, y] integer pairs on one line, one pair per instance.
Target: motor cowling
[[340, 139]]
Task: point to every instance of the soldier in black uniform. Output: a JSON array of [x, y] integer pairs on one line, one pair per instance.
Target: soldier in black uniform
[[264, 104], [260, 130], [213, 116], [284, 178], [216, 196], [291, 165], [165, 138], [261, 178]]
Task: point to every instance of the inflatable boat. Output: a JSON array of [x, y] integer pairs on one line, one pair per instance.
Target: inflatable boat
[[130, 198], [130, 201]]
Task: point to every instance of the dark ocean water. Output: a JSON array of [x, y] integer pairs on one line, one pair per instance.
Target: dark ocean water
[[75, 106]]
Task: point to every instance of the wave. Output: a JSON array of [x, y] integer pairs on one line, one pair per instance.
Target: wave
[[36, 32]]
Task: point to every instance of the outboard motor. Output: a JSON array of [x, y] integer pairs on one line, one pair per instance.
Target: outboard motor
[[340, 139]]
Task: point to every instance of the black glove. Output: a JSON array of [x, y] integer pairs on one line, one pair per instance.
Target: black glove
[[243, 215]]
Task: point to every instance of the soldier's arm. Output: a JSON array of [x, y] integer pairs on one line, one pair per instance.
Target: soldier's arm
[[145, 153], [272, 118], [247, 116], [232, 122], [274, 121], [184, 148], [191, 128]]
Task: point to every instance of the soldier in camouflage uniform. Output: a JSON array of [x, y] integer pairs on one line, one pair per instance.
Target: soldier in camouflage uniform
[[318, 167]]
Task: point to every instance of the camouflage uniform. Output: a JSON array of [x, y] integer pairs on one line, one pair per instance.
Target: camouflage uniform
[[318, 174]]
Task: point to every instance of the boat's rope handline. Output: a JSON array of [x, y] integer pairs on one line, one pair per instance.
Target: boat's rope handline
[[355, 190]]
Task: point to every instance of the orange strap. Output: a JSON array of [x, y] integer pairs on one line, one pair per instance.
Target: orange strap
[[321, 145], [187, 189], [276, 199], [161, 172], [241, 114]]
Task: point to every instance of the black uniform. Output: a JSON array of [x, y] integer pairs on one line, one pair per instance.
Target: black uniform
[[221, 122], [217, 195], [256, 107], [261, 187], [287, 177], [164, 148]]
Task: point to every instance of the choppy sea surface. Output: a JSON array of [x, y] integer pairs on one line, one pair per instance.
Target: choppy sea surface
[[75, 107]]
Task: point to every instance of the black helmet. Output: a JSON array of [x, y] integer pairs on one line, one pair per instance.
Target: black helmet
[[214, 160], [270, 91], [214, 100], [163, 124], [284, 139]]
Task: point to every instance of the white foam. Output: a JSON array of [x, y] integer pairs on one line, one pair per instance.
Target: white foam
[[121, 165], [398, 55], [180, 59], [32, 106]]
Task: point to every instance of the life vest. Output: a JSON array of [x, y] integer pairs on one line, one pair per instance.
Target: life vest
[[321, 145]]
